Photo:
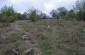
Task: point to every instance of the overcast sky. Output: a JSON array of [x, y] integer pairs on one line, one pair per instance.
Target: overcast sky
[[44, 5]]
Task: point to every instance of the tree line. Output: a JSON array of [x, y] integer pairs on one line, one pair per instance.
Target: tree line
[[78, 12], [9, 14]]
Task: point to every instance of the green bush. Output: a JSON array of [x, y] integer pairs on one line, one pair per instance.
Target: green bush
[[19, 16], [8, 14], [80, 8], [33, 15], [80, 15]]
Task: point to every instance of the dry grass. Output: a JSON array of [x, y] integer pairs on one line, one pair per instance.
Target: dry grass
[[57, 37], [52, 37], [10, 39]]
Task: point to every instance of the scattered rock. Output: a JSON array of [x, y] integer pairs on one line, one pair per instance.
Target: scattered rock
[[48, 26], [26, 37]]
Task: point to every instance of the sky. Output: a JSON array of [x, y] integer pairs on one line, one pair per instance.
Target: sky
[[44, 5]]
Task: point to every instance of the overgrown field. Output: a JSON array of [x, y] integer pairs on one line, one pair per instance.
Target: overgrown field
[[51, 36]]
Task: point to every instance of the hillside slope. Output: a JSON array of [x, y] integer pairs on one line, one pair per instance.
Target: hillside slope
[[51, 37]]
